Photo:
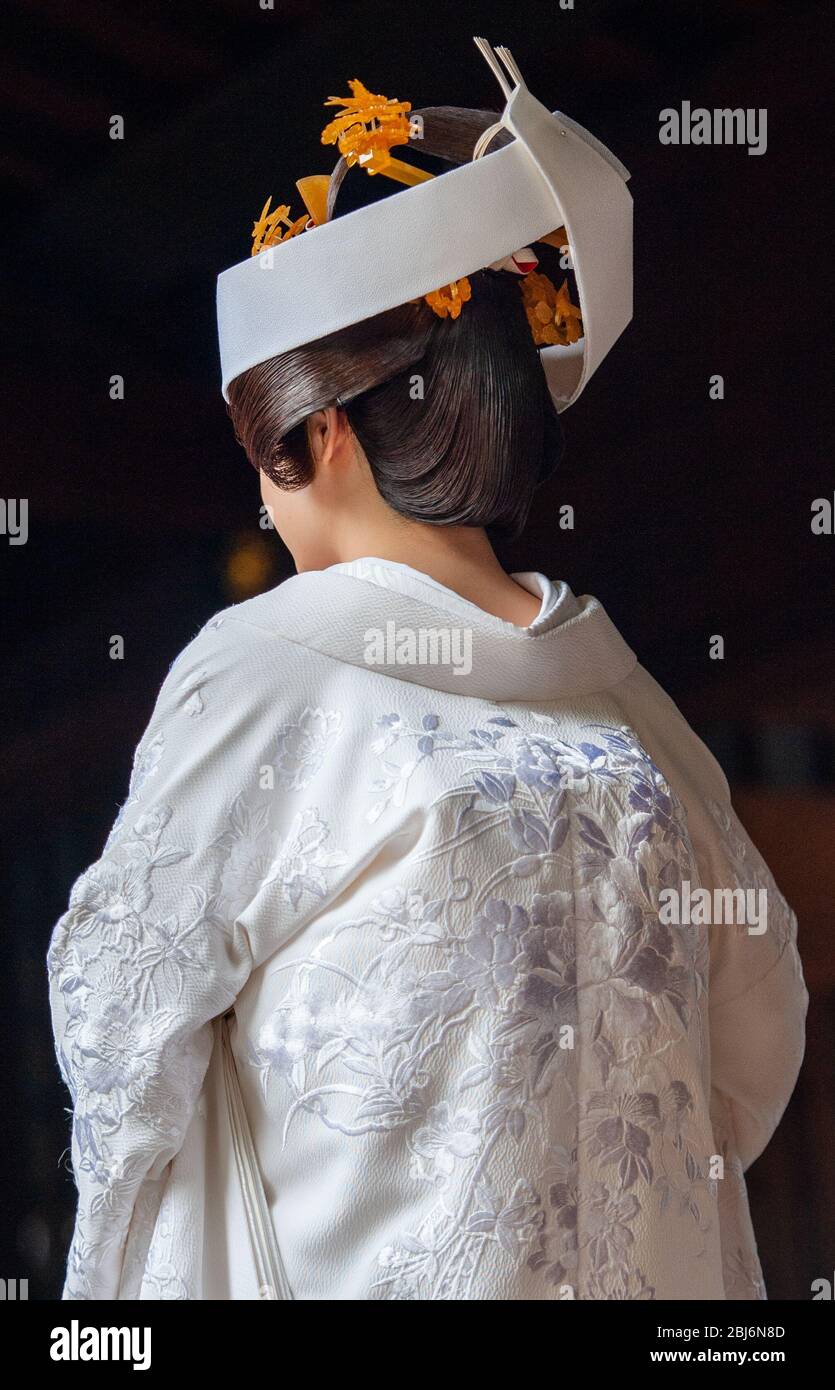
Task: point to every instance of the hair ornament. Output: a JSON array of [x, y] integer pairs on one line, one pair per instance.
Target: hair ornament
[[446, 302], [553, 319], [368, 129], [370, 126], [520, 263], [551, 182], [274, 227]]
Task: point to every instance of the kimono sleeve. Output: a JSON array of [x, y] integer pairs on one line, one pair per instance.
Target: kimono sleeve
[[758, 998], [150, 949]]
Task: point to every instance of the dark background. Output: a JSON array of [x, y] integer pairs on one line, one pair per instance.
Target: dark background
[[692, 516]]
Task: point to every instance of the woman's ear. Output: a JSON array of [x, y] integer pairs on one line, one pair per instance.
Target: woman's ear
[[317, 434], [329, 436]]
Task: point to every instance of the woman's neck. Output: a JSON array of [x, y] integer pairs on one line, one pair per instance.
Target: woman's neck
[[459, 557]]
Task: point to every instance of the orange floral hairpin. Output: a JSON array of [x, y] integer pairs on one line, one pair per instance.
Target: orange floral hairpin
[[274, 227], [369, 127], [446, 302], [366, 131], [552, 317]]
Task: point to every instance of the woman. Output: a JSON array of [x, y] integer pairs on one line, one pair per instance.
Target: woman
[[427, 958]]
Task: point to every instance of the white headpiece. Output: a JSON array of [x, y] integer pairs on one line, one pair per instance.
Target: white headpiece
[[553, 174]]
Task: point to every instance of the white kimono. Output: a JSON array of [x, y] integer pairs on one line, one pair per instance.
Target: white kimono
[[448, 871]]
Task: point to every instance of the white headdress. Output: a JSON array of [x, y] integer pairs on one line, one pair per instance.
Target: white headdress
[[552, 175]]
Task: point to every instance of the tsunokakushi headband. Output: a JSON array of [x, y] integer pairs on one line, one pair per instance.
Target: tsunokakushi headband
[[554, 182]]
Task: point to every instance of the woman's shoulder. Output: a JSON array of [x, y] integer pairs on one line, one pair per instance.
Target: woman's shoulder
[[671, 740], [243, 643]]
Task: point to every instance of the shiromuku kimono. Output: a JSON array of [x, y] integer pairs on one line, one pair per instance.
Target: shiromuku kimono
[[427, 858]]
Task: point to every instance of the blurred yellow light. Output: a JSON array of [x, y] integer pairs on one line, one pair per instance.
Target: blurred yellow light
[[250, 567]]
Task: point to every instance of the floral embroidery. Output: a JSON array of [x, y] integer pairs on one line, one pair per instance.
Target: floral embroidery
[[581, 839], [122, 969], [304, 746], [299, 866], [247, 843], [503, 1028], [194, 703], [397, 774], [443, 1141], [145, 763], [749, 868]]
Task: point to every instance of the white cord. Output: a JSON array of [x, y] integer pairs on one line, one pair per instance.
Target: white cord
[[490, 57]]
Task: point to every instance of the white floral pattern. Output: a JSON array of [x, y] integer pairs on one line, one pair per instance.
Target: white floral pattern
[[378, 1048], [300, 867], [123, 972], [453, 985], [304, 746]]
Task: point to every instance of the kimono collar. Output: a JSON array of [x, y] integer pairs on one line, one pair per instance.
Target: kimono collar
[[391, 574], [573, 650]]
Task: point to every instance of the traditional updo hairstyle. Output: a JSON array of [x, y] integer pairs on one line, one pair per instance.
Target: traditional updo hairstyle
[[484, 433]]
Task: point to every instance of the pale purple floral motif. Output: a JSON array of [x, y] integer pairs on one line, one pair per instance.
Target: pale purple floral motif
[[487, 964]]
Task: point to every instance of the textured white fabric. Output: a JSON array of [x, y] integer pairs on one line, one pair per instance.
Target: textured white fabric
[[476, 1062], [391, 574], [553, 173]]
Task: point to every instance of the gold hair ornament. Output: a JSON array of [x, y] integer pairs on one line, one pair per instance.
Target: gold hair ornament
[[369, 127]]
